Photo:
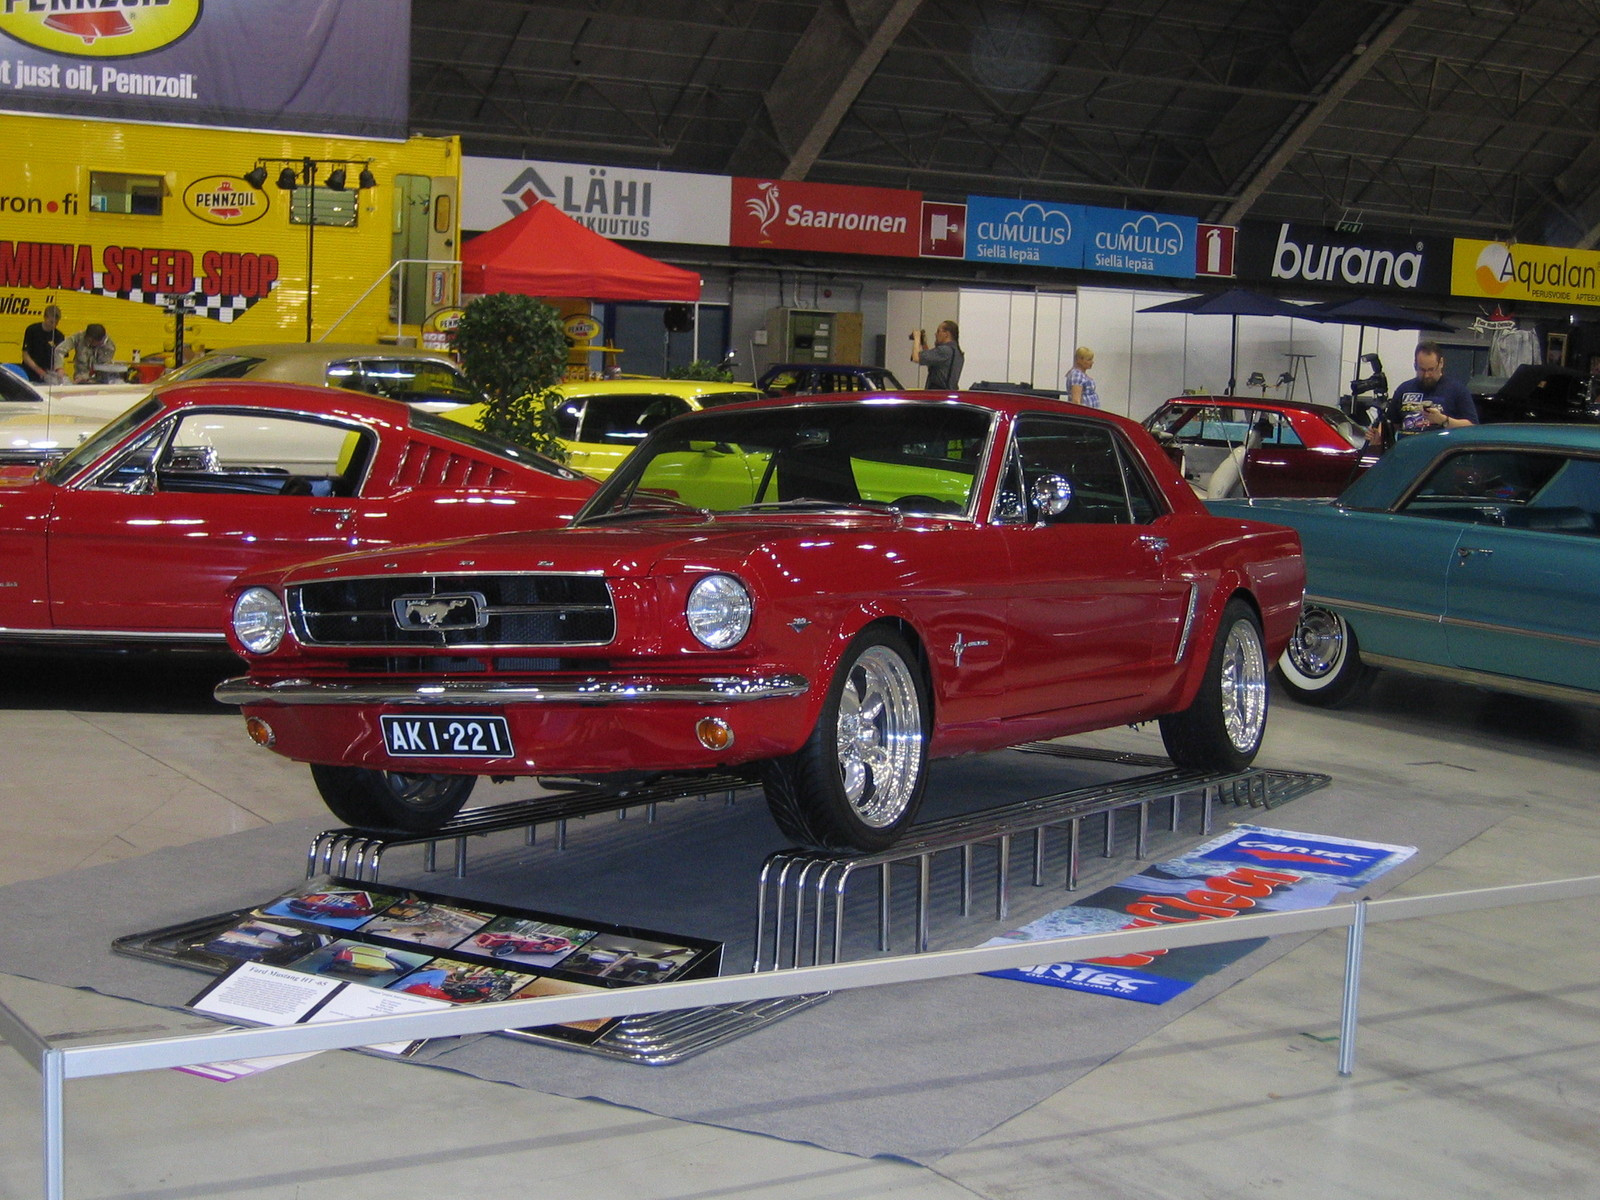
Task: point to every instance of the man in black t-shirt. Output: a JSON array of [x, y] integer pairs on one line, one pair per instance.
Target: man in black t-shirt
[[39, 342]]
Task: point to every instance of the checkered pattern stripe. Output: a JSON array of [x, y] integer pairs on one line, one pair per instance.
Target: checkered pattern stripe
[[226, 309]]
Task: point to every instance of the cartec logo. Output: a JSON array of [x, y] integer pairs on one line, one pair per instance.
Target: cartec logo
[[1301, 854], [225, 200], [98, 28]]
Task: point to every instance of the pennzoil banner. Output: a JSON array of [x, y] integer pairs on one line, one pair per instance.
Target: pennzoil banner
[[312, 66]]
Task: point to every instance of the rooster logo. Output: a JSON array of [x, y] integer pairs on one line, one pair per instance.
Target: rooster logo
[[765, 207]]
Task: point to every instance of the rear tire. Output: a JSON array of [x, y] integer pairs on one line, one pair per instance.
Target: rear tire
[[1322, 664], [1223, 728], [858, 780], [380, 800]]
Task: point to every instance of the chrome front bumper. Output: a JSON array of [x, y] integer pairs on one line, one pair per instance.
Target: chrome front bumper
[[715, 689]]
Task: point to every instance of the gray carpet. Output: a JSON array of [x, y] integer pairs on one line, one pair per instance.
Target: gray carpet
[[908, 1071]]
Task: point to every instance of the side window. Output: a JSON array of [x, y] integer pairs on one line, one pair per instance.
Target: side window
[[1144, 501], [568, 414], [116, 192], [261, 453], [410, 380], [1085, 455], [1282, 432], [1485, 486], [624, 420]]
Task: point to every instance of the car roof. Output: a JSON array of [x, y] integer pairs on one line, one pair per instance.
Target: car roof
[[264, 393], [1270, 405], [1007, 403], [329, 351], [687, 388]]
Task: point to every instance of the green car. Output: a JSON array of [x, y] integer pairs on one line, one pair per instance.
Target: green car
[[1472, 555]]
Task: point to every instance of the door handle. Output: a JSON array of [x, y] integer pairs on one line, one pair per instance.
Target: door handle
[[1465, 552], [1154, 542], [343, 516]]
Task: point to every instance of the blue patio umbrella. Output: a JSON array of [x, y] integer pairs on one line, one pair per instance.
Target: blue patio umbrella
[[1369, 313], [1235, 303]]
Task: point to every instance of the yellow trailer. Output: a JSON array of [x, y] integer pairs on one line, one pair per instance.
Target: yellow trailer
[[127, 224]]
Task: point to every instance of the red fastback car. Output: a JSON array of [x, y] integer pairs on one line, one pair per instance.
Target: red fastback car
[[133, 537], [829, 592]]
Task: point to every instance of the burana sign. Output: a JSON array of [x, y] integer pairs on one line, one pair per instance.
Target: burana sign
[[98, 28], [1518, 271], [225, 200]]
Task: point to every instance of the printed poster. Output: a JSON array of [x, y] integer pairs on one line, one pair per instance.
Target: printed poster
[[1252, 868]]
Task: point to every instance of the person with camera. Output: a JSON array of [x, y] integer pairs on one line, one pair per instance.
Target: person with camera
[[1429, 402], [943, 359]]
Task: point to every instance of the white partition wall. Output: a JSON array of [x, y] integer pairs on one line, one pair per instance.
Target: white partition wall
[[1141, 359]]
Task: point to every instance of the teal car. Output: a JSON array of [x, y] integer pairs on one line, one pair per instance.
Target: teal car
[[1472, 555]]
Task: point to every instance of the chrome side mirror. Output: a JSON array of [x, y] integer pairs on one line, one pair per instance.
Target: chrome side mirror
[[1049, 496]]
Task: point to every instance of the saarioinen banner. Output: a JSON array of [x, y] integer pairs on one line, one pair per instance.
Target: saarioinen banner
[[1520, 271], [309, 66]]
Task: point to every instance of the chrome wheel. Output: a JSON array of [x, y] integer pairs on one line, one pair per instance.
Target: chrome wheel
[[1322, 664], [1244, 686], [879, 737], [1318, 645]]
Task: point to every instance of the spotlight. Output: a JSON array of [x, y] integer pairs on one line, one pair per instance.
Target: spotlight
[[335, 180], [366, 179], [256, 178], [288, 180]]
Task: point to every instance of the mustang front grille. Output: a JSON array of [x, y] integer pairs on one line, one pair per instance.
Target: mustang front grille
[[454, 611]]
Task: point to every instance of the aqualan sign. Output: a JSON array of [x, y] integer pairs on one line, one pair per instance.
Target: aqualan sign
[[784, 215]]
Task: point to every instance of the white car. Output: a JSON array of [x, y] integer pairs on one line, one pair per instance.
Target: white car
[[41, 422], [38, 421]]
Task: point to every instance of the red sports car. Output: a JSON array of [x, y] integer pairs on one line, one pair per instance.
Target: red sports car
[[1236, 446], [503, 944], [134, 536], [828, 591]]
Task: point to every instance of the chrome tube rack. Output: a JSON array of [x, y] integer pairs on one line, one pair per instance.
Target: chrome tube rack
[[801, 907], [357, 853]]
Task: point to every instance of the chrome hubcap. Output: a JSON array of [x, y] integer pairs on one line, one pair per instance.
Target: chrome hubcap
[[1244, 686], [879, 737], [1318, 643]]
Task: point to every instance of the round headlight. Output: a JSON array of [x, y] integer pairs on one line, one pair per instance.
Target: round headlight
[[259, 621], [719, 611]]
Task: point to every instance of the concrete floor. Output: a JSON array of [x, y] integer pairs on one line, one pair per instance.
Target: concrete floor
[[1478, 1073]]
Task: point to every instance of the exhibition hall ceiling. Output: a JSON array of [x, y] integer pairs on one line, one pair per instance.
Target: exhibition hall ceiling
[[1478, 118]]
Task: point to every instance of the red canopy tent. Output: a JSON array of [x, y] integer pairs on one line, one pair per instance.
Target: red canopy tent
[[543, 252]]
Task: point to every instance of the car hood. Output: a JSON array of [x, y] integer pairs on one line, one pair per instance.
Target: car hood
[[622, 550]]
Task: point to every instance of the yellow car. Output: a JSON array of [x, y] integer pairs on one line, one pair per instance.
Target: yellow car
[[601, 422]]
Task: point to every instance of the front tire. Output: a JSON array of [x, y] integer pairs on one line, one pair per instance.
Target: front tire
[[1322, 664], [380, 800], [858, 780], [1223, 728]]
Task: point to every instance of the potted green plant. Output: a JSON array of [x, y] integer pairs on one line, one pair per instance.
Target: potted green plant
[[514, 350]]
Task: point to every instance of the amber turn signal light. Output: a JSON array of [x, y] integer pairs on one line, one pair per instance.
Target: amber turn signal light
[[260, 732], [714, 733]]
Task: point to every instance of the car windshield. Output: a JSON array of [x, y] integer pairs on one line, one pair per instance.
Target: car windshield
[[84, 453], [479, 440], [915, 457], [216, 366]]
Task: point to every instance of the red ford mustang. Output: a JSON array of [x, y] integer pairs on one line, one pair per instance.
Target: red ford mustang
[[830, 592], [1238, 446], [134, 536]]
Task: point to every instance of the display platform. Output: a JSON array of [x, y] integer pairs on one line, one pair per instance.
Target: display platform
[[913, 1071]]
